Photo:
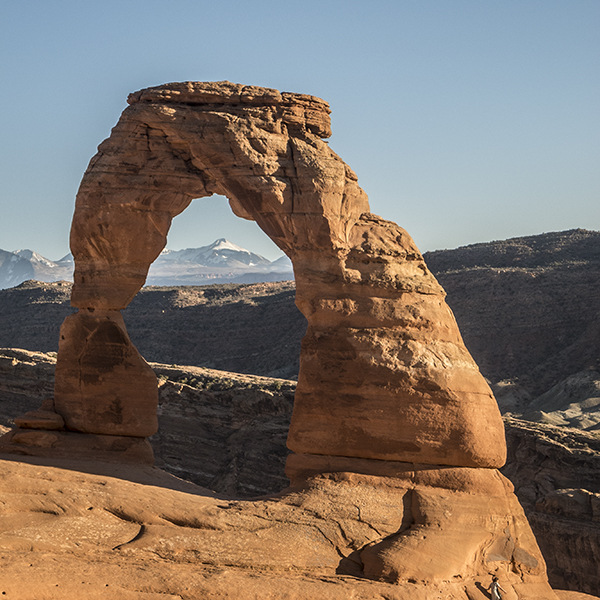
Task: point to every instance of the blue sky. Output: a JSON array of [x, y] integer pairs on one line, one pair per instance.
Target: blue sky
[[465, 121]]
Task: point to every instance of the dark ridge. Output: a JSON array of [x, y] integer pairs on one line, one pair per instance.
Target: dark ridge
[[562, 247]]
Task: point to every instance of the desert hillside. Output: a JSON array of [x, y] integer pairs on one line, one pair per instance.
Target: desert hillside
[[528, 308], [244, 328]]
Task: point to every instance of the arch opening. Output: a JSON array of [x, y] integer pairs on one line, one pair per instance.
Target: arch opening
[[238, 329], [209, 218], [208, 244]]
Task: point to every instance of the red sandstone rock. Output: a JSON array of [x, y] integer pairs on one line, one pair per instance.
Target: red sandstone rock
[[102, 384], [86, 447], [384, 375], [44, 418], [72, 530]]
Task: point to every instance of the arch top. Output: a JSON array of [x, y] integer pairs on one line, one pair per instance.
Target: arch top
[[296, 108], [261, 148]]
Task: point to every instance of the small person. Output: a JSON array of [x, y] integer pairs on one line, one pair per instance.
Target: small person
[[496, 589]]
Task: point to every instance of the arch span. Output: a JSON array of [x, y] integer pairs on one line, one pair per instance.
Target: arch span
[[384, 373]]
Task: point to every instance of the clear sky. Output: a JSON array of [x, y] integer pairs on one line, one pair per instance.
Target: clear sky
[[465, 120]]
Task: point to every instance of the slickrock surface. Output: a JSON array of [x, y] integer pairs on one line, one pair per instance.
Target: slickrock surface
[[389, 402], [68, 530], [227, 432]]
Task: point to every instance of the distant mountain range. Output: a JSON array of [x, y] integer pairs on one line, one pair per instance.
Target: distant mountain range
[[21, 265], [220, 262]]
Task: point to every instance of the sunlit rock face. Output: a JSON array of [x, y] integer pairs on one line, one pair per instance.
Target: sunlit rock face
[[386, 388], [384, 373], [103, 385]]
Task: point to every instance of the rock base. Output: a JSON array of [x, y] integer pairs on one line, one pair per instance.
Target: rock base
[[453, 523], [42, 433], [137, 533], [83, 446]]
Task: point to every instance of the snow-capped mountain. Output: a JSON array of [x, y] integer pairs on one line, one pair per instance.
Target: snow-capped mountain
[[221, 253], [220, 262], [35, 259], [14, 269], [21, 265]]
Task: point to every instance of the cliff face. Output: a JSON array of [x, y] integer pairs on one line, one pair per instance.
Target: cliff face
[[555, 473], [254, 328], [223, 431], [528, 308], [32, 313], [26, 379]]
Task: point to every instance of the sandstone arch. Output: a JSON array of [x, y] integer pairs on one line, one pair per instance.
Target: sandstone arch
[[396, 436], [384, 372]]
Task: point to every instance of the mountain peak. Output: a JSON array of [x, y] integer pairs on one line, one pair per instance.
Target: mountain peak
[[221, 253], [225, 244], [24, 253], [34, 257]]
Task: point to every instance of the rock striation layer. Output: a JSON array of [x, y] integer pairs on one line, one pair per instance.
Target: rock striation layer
[[387, 392]]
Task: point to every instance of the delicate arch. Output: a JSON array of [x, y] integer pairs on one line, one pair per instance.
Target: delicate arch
[[383, 370]]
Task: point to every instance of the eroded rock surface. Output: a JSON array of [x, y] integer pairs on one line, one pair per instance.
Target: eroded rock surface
[[377, 317], [71, 530], [537, 298], [103, 385], [387, 392], [226, 432]]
